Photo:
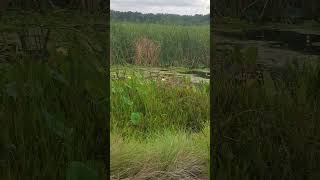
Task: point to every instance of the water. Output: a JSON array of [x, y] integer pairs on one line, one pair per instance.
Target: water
[[195, 75], [198, 73], [275, 46], [306, 43]]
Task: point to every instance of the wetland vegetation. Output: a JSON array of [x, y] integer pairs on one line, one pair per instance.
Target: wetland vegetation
[[53, 106], [155, 132], [266, 94], [159, 113]]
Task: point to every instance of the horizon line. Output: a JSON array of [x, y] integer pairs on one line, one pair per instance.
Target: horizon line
[[160, 13]]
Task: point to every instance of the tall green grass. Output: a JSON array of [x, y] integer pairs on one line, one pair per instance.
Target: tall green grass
[[179, 45], [53, 117], [159, 130], [269, 131]]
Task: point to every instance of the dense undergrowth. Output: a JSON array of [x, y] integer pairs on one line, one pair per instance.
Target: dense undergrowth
[[53, 112], [269, 131], [51, 117], [158, 129]]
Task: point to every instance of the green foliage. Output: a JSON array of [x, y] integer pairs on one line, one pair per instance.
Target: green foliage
[[179, 46], [268, 131], [158, 129], [135, 118], [55, 126], [79, 171], [172, 19], [237, 56], [266, 9], [251, 55], [157, 105], [248, 57], [53, 113]]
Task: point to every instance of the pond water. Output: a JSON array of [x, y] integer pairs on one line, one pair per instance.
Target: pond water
[[275, 46], [306, 43], [195, 75]]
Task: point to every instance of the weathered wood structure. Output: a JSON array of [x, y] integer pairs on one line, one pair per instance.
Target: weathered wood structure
[[30, 41], [34, 41]]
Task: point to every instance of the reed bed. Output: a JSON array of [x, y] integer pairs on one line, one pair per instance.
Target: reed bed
[[172, 45]]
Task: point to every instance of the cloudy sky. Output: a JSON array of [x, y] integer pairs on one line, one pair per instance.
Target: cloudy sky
[[182, 7]]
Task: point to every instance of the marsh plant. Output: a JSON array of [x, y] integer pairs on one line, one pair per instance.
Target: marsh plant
[[159, 130], [164, 45], [54, 117], [268, 131]]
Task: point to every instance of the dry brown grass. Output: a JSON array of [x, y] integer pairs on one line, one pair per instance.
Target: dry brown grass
[[159, 158], [147, 52]]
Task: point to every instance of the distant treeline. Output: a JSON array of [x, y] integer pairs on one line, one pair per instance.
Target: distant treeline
[[160, 18], [267, 9]]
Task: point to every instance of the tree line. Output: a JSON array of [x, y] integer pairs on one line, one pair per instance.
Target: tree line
[[197, 19], [267, 9]]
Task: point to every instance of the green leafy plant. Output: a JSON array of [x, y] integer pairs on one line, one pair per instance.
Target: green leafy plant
[[79, 171], [135, 118]]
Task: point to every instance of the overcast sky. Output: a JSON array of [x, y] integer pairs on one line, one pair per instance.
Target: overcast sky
[[182, 7]]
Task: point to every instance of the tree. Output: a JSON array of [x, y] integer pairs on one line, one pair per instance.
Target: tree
[[160, 18]]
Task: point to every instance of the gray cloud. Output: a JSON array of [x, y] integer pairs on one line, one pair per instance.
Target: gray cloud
[[152, 2], [163, 6]]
